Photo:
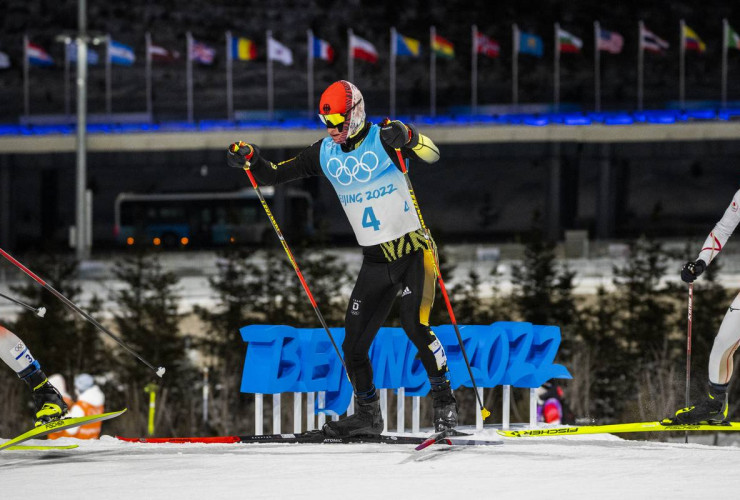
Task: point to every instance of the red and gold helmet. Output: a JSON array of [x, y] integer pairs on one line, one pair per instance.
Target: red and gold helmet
[[342, 106]]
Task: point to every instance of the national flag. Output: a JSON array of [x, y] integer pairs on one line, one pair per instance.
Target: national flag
[[733, 39], [362, 49], [120, 54], [568, 42], [322, 50], [652, 42], [276, 51], [692, 40], [530, 44], [486, 46], [92, 56], [4, 60], [406, 46], [243, 49], [161, 54], [37, 56], [610, 41], [202, 53], [443, 47]]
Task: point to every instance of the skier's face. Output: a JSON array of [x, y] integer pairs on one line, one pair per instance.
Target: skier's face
[[335, 133]]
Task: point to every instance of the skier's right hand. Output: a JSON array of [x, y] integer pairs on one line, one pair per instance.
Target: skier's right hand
[[239, 154], [692, 270]]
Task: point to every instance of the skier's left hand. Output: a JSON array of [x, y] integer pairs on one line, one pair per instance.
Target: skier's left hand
[[395, 134]]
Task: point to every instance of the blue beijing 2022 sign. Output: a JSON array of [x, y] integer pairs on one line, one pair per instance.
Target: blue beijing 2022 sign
[[286, 359]]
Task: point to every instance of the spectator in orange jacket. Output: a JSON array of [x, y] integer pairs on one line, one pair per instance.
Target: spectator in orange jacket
[[90, 401], [57, 380]]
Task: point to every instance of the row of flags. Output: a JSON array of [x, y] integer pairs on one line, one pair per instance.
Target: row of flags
[[245, 49]]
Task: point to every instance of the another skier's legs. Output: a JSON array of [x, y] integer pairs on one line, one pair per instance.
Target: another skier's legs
[[714, 407], [47, 400], [369, 305], [417, 297]]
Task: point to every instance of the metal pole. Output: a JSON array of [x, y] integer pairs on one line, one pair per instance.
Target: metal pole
[[26, 86], [394, 41], [506, 408], [81, 249], [401, 410], [474, 71], [229, 78], [432, 74], [270, 94], [108, 75], [515, 64], [725, 34], [532, 407], [297, 404], [556, 75], [350, 60], [640, 56], [205, 395], [67, 97], [189, 75], [148, 75], [597, 67], [309, 76], [682, 69]]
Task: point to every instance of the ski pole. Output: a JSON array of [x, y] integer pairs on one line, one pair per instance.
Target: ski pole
[[159, 371], [428, 237], [290, 255], [40, 311], [688, 349]]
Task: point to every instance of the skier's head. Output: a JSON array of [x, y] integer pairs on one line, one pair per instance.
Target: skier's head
[[342, 110], [83, 382]]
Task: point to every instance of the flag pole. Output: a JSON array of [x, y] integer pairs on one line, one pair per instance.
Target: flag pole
[[514, 64], [270, 89], [67, 100], [725, 35], [309, 71], [432, 74], [350, 60], [108, 103], [394, 41], [229, 77], [474, 71], [148, 74], [26, 86], [189, 75], [556, 76], [597, 67], [682, 68], [640, 56]]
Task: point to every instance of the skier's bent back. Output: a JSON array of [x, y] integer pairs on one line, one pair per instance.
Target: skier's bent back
[[359, 159]]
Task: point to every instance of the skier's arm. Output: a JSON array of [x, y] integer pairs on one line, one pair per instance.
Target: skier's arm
[[716, 240], [413, 144], [304, 164]]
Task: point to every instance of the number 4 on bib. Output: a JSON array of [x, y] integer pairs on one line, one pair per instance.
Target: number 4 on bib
[[369, 219]]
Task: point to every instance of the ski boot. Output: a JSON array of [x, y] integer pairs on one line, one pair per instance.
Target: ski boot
[[713, 409], [367, 420], [47, 401], [445, 407]]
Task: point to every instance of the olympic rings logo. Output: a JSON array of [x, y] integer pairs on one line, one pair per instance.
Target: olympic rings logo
[[353, 169]]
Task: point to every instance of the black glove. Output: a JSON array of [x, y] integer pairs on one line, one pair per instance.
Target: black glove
[[395, 134], [239, 154], [692, 270]]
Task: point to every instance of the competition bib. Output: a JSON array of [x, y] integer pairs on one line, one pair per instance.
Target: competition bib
[[371, 189]]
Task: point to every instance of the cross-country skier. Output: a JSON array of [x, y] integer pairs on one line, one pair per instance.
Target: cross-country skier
[[359, 159], [714, 406], [47, 400]]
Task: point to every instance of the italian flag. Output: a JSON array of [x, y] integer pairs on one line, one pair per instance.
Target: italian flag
[[568, 43], [733, 39]]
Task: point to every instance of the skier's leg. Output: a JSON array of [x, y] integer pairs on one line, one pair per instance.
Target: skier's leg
[[369, 305], [417, 297], [714, 406], [47, 400]]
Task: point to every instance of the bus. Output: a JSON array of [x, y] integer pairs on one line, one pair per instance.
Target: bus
[[208, 219]]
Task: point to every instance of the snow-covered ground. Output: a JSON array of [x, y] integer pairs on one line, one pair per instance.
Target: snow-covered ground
[[573, 467]]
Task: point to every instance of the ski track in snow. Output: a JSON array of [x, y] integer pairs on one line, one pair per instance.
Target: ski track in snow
[[573, 467]]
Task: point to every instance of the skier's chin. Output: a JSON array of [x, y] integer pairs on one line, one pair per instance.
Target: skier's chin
[[336, 138]]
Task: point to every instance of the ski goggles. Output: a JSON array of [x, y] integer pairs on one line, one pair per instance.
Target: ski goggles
[[334, 120]]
